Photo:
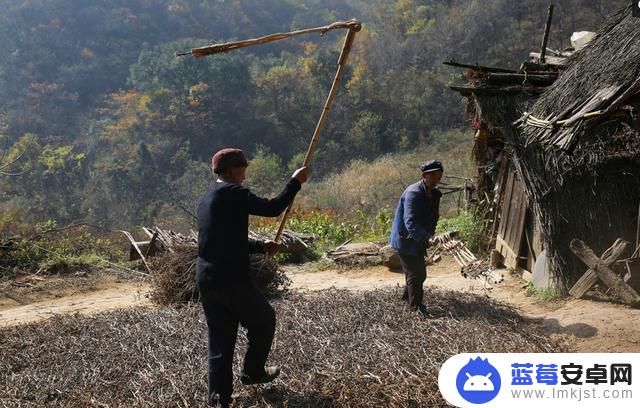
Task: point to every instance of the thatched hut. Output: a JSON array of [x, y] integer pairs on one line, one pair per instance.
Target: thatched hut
[[573, 150], [578, 149], [495, 98]]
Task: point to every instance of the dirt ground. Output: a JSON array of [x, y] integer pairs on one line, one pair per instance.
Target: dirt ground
[[34, 298], [588, 325]]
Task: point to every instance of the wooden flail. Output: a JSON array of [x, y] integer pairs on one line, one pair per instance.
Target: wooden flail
[[352, 26]]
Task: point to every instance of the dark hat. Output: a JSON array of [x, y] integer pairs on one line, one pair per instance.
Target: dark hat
[[431, 165], [228, 158]]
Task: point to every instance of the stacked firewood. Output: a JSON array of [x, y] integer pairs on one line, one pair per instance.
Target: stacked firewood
[[471, 266]]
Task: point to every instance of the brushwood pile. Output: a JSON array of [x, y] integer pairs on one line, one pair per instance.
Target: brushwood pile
[[337, 349]]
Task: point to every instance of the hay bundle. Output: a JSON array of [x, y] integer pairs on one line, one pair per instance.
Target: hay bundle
[[337, 348], [173, 276]]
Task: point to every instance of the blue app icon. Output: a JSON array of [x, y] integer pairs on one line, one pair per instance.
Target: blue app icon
[[478, 382]]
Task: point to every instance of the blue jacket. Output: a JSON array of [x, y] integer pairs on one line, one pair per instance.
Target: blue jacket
[[415, 220]]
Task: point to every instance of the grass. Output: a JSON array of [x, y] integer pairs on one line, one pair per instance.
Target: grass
[[543, 296]]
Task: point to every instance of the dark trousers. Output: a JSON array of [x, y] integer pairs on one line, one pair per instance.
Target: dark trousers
[[224, 308], [415, 272]]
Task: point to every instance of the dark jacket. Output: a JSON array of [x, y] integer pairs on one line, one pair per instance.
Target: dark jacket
[[415, 220], [223, 227]]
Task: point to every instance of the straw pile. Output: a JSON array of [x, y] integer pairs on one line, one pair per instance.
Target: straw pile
[[173, 276], [337, 349]]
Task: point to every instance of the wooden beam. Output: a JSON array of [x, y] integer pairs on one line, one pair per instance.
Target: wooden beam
[[589, 278], [479, 67], [626, 292], [497, 90], [538, 79]]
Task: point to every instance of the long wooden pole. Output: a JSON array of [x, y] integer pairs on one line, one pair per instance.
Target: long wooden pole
[[547, 27], [229, 46], [353, 27], [342, 62]]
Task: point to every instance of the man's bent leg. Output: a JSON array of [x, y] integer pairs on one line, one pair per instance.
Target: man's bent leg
[[259, 318]]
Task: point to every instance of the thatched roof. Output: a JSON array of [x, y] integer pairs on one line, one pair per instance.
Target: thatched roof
[[583, 176], [595, 79]]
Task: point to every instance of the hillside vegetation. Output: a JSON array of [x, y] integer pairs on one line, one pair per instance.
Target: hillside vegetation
[[116, 131]]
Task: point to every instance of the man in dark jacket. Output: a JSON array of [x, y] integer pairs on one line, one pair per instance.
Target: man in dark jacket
[[228, 295], [414, 225]]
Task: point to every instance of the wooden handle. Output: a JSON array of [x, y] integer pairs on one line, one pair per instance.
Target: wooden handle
[[342, 61]]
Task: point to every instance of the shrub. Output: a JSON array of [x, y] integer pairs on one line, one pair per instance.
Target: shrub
[[332, 228], [51, 249], [369, 186], [472, 231]]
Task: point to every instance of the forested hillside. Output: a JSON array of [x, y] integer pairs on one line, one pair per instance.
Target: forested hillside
[[115, 130]]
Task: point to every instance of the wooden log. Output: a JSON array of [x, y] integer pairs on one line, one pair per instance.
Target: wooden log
[[626, 292], [589, 278]]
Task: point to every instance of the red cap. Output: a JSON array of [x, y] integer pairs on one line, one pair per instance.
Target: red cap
[[228, 158]]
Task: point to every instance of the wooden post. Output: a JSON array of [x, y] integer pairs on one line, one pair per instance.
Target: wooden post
[[342, 62], [626, 292], [547, 27], [589, 278], [637, 234]]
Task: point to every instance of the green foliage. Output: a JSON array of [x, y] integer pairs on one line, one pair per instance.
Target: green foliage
[[265, 174], [472, 231], [52, 249], [111, 122], [329, 227], [543, 296]]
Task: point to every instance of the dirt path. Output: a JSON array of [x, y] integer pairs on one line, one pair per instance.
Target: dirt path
[[119, 296], [589, 325], [33, 298]]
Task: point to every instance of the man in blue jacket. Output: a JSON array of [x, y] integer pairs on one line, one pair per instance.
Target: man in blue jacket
[[414, 225], [229, 297]]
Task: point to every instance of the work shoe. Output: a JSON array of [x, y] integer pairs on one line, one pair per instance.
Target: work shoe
[[422, 310], [269, 374]]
